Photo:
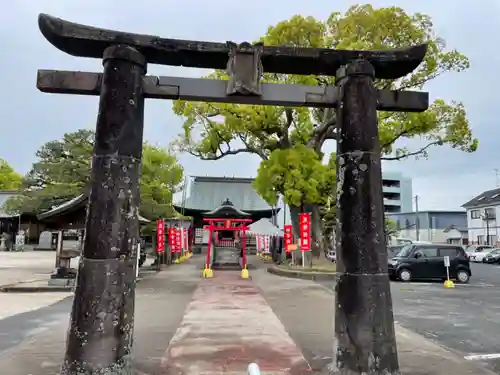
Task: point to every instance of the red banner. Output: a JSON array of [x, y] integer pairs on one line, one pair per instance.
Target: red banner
[[171, 239], [288, 236], [305, 231], [160, 236], [185, 239], [178, 240]]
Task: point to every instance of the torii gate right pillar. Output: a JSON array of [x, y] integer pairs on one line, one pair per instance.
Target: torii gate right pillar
[[365, 340]]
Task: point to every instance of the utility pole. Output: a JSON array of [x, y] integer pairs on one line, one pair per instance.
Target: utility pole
[[417, 221], [497, 177], [486, 217]]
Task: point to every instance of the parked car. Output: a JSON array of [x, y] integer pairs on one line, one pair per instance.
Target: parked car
[[426, 261], [393, 250], [479, 256], [471, 250], [492, 257]]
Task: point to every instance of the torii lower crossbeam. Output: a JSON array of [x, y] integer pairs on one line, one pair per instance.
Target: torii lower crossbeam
[[212, 90]]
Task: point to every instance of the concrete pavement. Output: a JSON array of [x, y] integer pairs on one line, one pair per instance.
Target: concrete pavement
[[160, 304], [21, 267], [306, 309], [18, 327], [27, 265], [465, 319], [19, 303], [166, 307]]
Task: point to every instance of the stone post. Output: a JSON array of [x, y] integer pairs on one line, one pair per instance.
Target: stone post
[[102, 318], [364, 324]]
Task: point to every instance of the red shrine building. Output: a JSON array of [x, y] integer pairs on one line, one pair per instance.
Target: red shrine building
[[223, 197]]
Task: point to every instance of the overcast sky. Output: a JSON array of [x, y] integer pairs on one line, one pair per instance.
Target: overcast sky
[[30, 118]]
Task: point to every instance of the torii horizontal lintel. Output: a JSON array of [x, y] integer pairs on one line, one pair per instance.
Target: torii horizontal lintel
[[87, 41], [211, 90]]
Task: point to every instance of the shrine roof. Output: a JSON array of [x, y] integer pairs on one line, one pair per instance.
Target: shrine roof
[[70, 206], [264, 227], [226, 209], [208, 193]]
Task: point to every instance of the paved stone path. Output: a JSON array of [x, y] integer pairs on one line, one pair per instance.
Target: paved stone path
[[227, 326]]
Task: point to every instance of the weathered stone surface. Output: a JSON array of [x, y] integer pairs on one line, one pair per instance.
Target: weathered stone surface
[[102, 317], [364, 325], [86, 41]]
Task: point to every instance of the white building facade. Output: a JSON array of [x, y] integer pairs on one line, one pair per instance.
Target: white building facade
[[482, 214], [433, 226]]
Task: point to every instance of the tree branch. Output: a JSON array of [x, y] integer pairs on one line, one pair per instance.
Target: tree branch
[[326, 130], [414, 153], [220, 156], [252, 149], [283, 137]]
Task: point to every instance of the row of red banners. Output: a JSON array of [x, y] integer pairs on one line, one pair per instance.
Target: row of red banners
[[262, 243], [177, 238], [304, 233]]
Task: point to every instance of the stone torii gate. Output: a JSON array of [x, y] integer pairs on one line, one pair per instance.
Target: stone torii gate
[[100, 337]]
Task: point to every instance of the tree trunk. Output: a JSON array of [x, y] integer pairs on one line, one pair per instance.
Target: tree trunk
[[316, 230], [294, 216]]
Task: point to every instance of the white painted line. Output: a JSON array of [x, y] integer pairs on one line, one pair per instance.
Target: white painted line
[[479, 357]]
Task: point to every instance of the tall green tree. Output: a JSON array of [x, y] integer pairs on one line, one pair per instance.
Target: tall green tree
[[161, 177], [213, 131], [9, 178], [390, 229], [62, 172]]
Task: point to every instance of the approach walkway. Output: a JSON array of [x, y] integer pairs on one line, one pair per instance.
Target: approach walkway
[[226, 326]]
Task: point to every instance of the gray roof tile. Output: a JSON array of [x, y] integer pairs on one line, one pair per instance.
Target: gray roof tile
[[70, 204], [208, 193], [489, 197]]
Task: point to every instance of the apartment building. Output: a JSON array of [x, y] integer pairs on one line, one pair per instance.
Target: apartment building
[[397, 190]]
